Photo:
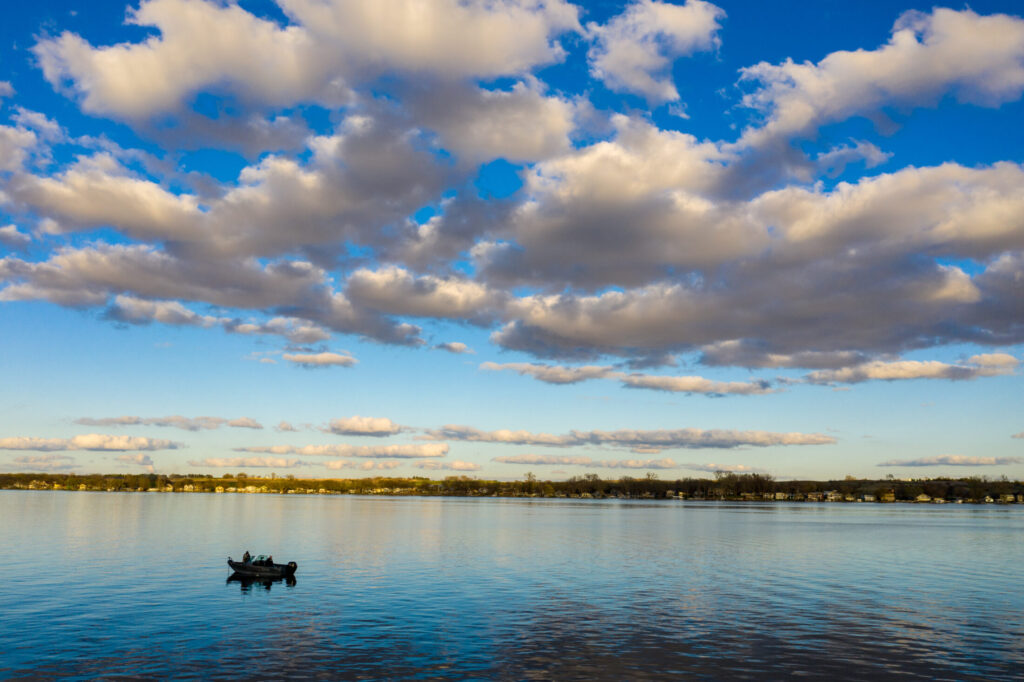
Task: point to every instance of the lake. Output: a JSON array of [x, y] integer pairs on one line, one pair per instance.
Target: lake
[[135, 584]]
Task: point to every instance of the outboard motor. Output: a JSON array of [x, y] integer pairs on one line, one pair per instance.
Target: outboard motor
[[291, 567]]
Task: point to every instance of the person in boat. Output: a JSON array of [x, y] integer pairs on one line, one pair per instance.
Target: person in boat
[[270, 560], [246, 558]]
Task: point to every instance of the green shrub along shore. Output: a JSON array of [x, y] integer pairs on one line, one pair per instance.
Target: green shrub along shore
[[724, 486]]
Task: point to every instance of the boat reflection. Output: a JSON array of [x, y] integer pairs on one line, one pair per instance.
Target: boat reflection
[[247, 582]]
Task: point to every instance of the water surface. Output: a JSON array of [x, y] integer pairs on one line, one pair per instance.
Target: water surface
[[134, 584]]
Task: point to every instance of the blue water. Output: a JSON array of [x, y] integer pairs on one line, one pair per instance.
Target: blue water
[[134, 585]]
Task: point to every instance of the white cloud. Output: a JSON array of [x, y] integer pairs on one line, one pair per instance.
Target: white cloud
[[204, 46], [551, 374], [364, 426], [398, 451], [324, 359], [521, 124], [634, 51], [953, 460], [6, 89], [15, 147], [454, 465], [733, 468], [396, 291], [544, 460], [549, 460], [978, 59], [47, 462], [175, 421], [247, 462], [558, 374], [655, 439], [284, 426], [986, 365], [91, 441]]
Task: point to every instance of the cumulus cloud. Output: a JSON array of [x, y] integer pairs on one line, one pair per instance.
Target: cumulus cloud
[[978, 59], [398, 451], [175, 421], [47, 462], [952, 460], [91, 441], [655, 439], [324, 359], [984, 365], [203, 45], [285, 426], [6, 89], [1018, 435], [247, 462], [634, 51], [396, 291], [364, 426], [13, 238], [454, 465]]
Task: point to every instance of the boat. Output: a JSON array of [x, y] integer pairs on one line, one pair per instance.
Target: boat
[[262, 567]]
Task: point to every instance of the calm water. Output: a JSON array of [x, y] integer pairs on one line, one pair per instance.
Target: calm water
[[116, 584]]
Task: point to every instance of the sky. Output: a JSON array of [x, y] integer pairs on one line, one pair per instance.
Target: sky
[[347, 238]]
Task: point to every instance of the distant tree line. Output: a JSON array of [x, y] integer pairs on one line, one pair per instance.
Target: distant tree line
[[724, 486]]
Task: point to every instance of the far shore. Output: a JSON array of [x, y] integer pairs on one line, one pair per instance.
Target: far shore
[[723, 487]]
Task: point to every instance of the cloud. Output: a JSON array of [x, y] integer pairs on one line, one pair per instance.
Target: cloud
[[551, 374], [544, 460], [203, 46], [520, 125], [456, 347], [695, 384], [396, 291], [733, 468], [985, 365], [175, 421], [362, 466], [247, 462], [978, 59], [245, 423], [92, 441], [324, 359], [47, 462], [6, 89], [1018, 435], [549, 460], [141, 460], [285, 426], [952, 460], [556, 374], [398, 451], [656, 439], [634, 51], [11, 237], [364, 426], [454, 465]]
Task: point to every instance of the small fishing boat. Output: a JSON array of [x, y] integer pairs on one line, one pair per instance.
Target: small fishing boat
[[262, 567]]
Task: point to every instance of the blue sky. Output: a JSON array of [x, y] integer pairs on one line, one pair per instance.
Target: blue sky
[[350, 238]]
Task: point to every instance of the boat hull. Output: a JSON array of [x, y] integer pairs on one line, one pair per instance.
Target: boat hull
[[251, 570]]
